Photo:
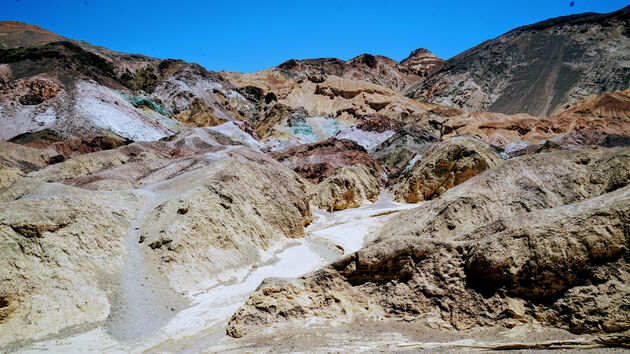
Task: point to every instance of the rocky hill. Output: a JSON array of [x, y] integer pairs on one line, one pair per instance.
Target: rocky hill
[[614, 105], [376, 69], [541, 239], [17, 34], [80, 91], [537, 69]]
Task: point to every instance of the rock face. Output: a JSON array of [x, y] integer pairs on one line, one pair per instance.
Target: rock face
[[25, 158], [345, 100], [614, 105], [62, 252], [375, 69], [350, 187], [404, 145], [501, 130], [319, 160], [536, 69], [574, 140], [371, 131], [515, 187], [67, 148], [8, 176], [592, 137], [442, 167], [423, 62], [175, 216], [539, 239]]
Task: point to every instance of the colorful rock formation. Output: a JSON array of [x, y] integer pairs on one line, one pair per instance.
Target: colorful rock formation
[[317, 161]]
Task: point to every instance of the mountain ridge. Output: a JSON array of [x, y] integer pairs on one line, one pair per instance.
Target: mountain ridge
[[555, 68]]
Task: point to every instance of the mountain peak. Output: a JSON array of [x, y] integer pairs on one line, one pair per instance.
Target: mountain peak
[[423, 62], [419, 52]]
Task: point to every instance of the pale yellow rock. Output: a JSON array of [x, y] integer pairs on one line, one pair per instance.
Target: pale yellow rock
[[61, 251], [350, 187], [443, 166], [8, 176], [515, 308]]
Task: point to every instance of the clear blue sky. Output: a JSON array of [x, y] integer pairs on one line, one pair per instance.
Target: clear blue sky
[[248, 36]]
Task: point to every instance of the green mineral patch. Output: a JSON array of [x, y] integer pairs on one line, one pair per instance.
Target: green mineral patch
[[144, 101]]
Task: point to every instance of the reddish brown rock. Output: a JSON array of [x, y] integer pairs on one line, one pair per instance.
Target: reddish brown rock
[[47, 138], [378, 123], [319, 160], [175, 153], [38, 91], [608, 105], [19, 34], [85, 146], [247, 127], [501, 129], [593, 137]]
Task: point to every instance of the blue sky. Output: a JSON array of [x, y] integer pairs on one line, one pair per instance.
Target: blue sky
[[248, 36]]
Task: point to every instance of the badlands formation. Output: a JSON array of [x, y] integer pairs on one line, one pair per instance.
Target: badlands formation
[[479, 202]]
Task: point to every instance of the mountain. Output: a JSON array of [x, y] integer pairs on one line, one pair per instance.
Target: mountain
[[153, 205], [81, 91], [17, 34], [423, 62], [375, 69], [537, 69]]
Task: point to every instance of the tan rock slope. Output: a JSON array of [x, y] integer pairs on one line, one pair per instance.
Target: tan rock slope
[[121, 234], [346, 100], [509, 247]]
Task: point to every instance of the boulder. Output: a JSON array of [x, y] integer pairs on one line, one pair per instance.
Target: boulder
[[350, 187], [407, 143], [444, 166]]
